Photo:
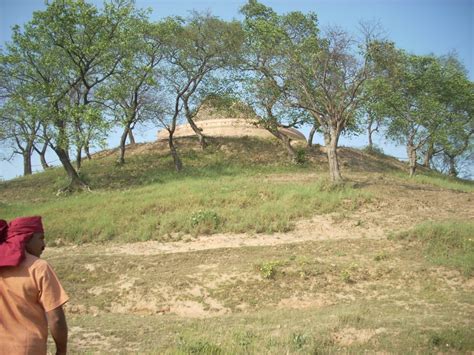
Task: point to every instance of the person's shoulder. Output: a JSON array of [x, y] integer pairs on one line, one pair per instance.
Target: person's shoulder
[[34, 262]]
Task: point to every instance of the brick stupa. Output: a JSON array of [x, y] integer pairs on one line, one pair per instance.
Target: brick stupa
[[237, 121]]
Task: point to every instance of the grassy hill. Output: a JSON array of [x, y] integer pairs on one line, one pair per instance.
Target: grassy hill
[[244, 252]]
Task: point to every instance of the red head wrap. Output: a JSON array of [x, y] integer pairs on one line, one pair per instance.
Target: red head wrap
[[14, 237]]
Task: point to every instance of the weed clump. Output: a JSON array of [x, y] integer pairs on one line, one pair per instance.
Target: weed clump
[[301, 157], [204, 221], [268, 270]]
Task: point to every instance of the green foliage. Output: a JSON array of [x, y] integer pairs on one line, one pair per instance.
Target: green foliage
[[267, 48], [227, 105], [301, 156], [204, 221], [61, 58], [268, 269], [426, 101], [449, 243]]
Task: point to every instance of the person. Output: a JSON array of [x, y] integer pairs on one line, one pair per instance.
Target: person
[[31, 296]]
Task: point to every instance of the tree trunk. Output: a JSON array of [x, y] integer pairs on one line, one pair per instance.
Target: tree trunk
[[331, 148], [289, 148], [87, 151], [78, 158], [286, 141], [27, 152], [177, 161], [75, 180], [42, 155], [44, 163], [27, 162], [411, 151], [452, 167], [198, 131], [428, 156], [369, 134], [311, 135], [123, 140], [131, 138]]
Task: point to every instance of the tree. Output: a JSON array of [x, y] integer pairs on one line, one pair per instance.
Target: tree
[[453, 142], [263, 62], [18, 119], [327, 77], [373, 118], [166, 113], [127, 92], [200, 46], [411, 99], [42, 151], [21, 129], [60, 58]]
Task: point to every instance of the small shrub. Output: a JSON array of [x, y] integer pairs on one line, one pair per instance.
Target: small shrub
[[346, 276], [268, 269], [204, 221], [301, 156]]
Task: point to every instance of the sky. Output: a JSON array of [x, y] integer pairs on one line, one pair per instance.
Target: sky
[[418, 26]]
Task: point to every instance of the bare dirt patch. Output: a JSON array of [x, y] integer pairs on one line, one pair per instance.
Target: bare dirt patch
[[298, 302], [349, 336], [317, 228]]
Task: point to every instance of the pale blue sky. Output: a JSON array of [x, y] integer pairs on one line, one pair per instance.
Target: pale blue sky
[[418, 26]]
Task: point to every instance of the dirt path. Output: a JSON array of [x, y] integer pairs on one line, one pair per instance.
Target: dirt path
[[317, 228], [320, 227]]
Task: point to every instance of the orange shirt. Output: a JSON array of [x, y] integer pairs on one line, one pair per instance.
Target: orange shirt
[[27, 291]]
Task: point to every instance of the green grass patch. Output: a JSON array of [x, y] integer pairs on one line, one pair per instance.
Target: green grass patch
[[245, 202], [449, 243], [451, 340], [439, 180]]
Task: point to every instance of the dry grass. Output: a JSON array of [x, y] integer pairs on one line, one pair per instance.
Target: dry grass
[[330, 296]]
